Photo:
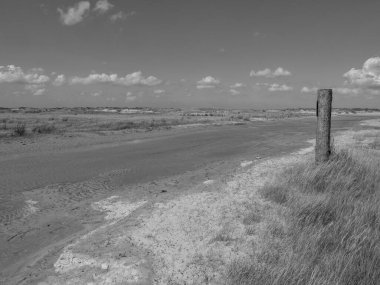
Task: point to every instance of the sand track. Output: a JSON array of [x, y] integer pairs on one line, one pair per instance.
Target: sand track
[[58, 196], [186, 240], [190, 225]]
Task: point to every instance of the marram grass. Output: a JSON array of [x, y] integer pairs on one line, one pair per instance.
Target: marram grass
[[333, 225]]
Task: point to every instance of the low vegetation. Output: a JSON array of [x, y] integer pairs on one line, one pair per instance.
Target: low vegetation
[[44, 129], [19, 129], [331, 231], [21, 124], [149, 124]]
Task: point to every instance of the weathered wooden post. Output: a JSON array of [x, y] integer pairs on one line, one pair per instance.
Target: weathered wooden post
[[322, 146]]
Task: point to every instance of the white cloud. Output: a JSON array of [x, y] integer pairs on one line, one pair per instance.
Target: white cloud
[[275, 87], [269, 74], [118, 16], [33, 80], [207, 82], [158, 91], [59, 80], [205, 86], [281, 72], [237, 85], [265, 72], [234, 92], [130, 97], [368, 77], [103, 6], [121, 16], [135, 78], [347, 91], [306, 89], [35, 89], [96, 93], [338, 90], [74, 14], [15, 74], [39, 92]]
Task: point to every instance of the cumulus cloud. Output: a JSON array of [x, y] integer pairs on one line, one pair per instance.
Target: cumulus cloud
[[39, 92], [118, 16], [59, 80], [36, 89], [234, 92], [74, 14], [205, 86], [265, 73], [368, 77], [208, 82], [269, 73], [103, 6], [337, 90], [129, 97], [347, 91], [135, 78], [275, 87], [121, 16], [237, 85], [15, 74], [158, 91], [32, 80], [96, 93], [281, 72], [306, 89]]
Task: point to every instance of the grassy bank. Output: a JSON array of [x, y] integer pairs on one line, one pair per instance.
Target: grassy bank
[[331, 225]]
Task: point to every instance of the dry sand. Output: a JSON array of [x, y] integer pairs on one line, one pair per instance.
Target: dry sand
[[186, 238]]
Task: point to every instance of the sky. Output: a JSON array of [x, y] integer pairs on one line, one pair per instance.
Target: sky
[[199, 53]]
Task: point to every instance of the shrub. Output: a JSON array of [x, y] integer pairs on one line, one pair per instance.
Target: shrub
[[19, 129], [44, 129], [117, 126], [4, 125]]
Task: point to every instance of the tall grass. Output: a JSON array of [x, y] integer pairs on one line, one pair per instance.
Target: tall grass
[[333, 218]]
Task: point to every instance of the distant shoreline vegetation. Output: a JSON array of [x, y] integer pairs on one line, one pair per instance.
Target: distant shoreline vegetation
[[27, 121], [127, 110]]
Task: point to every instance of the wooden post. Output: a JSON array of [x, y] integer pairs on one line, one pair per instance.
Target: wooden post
[[322, 146]]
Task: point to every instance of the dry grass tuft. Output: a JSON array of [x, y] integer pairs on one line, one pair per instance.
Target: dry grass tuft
[[223, 236], [333, 225], [275, 193], [252, 218], [44, 129], [19, 129]]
